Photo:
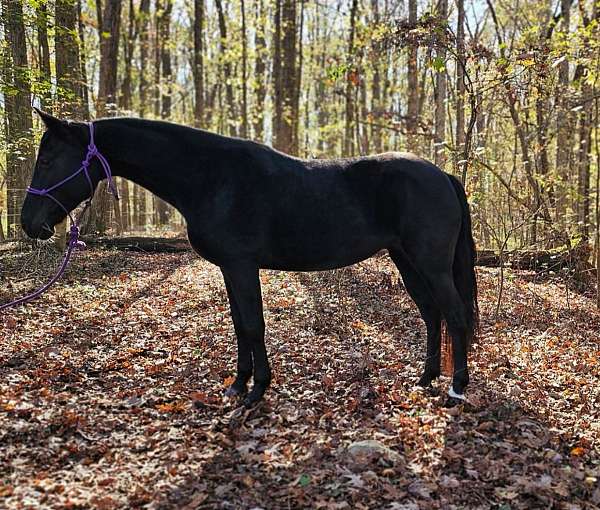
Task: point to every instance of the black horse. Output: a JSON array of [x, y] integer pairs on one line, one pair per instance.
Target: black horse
[[248, 207]]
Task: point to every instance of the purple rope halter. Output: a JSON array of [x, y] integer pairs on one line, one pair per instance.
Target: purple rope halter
[[74, 242]]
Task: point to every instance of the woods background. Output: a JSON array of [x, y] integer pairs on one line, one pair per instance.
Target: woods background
[[503, 94]]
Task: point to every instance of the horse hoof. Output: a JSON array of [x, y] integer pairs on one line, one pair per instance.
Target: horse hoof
[[232, 392], [455, 399], [426, 380], [431, 390], [453, 402], [249, 403], [252, 399]]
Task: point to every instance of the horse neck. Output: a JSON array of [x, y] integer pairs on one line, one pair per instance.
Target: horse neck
[[157, 156]]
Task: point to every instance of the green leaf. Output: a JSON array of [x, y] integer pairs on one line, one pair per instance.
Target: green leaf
[[438, 64], [304, 480]]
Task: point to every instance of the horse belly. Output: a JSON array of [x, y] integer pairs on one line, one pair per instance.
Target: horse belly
[[312, 251]]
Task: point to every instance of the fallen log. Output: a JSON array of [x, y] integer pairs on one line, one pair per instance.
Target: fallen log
[[576, 258], [141, 244]]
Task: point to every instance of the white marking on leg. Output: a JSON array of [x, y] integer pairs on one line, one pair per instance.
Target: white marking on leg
[[453, 394]]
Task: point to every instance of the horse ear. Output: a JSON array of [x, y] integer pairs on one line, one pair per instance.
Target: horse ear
[[67, 130], [52, 123]]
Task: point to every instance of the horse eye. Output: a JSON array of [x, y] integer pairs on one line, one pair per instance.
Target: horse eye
[[44, 162]]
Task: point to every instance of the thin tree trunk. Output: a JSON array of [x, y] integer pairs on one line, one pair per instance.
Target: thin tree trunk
[[298, 84], [109, 52], [165, 59], [376, 88], [564, 123], [439, 148], [583, 178], [44, 52], [85, 97], [128, 46], [229, 114], [412, 121], [143, 21], [244, 132], [198, 62], [460, 88], [260, 78], [164, 34], [288, 79], [351, 84], [277, 75], [320, 101], [157, 60]]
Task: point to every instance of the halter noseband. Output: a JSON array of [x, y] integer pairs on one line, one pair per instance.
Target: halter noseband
[[92, 152]]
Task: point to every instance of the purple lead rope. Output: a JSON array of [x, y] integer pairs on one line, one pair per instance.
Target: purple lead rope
[[74, 242]]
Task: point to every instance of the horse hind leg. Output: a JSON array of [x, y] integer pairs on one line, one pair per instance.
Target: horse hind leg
[[453, 311], [430, 313], [438, 279]]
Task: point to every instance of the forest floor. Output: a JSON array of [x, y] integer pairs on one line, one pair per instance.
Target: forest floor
[[111, 394]]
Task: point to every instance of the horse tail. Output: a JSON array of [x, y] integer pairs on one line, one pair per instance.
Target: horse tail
[[465, 280], [463, 269]]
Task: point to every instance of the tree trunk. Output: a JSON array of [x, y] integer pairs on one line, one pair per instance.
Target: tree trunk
[[439, 147], [157, 61], [164, 35], [17, 111], [44, 56], [165, 59], [68, 67], [284, 136], [277, 75], [298, 85], [412, 121], [126, 105], [376, 105], [583, 162], [109, 52], [244, 132], [128, 46], [85, 98], [586, 121], [351, 84], [460, 89], [564, 123], [229, 114], [143, 22], [198, 63], [260, 71]]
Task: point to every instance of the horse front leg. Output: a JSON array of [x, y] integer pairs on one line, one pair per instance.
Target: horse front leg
[[244, 350], [243, 289]]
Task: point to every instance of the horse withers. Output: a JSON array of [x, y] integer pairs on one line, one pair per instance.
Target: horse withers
[[249, 207]]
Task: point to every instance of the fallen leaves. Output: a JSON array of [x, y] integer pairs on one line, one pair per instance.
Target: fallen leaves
[[173, 407], [111, 395]]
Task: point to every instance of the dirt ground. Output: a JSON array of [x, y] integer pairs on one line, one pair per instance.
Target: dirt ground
[[111, 393]]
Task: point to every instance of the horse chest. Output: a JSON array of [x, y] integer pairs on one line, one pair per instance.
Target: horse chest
[[205, 247]]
